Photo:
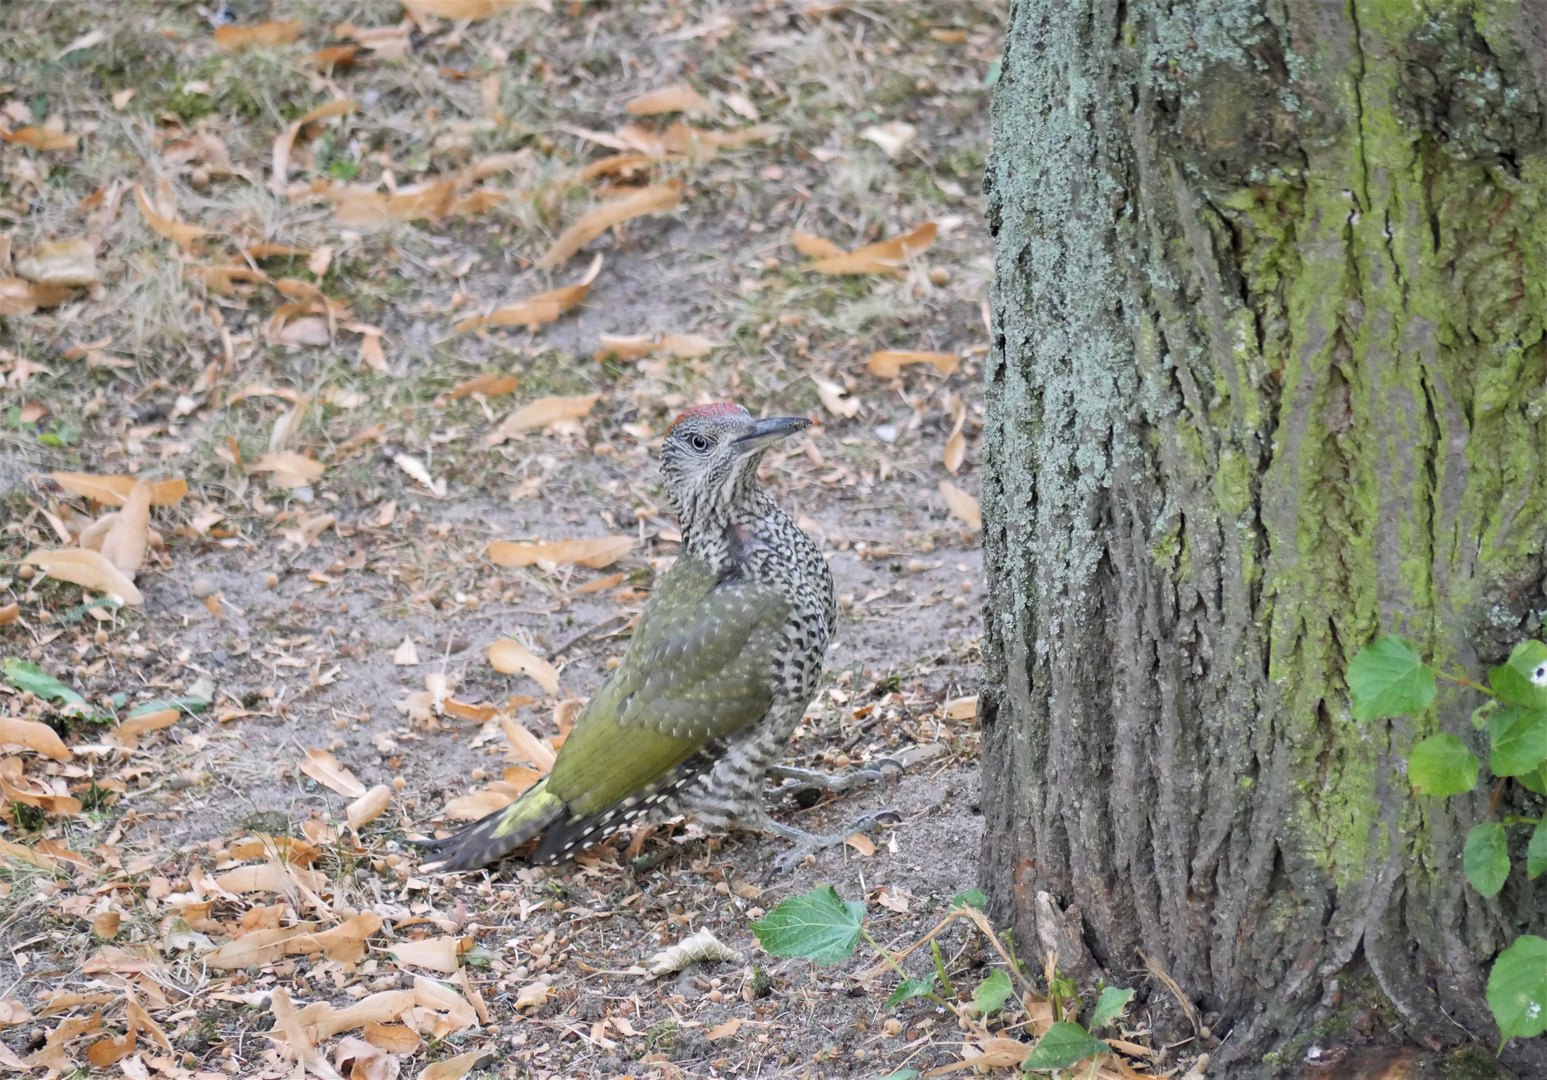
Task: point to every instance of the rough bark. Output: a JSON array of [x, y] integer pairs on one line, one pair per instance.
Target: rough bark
[[1268, 378]]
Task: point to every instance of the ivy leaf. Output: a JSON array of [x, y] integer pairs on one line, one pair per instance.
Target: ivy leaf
[[1442, 765], [912, 988], [1517, 988], [817, 925], [1063, 1045], [1486, 858], [1536, 852], [1109, 1006], [1522, 679], [993, 992], [25, 675], [1519, 738], [973, 898], [902, 1074], [1389, 678]]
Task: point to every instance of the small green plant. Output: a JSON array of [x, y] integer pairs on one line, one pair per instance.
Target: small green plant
[[1389, 678], [822, 927]]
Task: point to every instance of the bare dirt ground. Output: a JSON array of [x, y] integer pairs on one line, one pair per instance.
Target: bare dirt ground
[[206, 279]]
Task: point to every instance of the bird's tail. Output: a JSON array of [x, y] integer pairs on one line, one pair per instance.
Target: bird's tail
[[491, 838]]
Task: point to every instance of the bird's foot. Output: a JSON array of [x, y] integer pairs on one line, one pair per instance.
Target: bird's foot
[[798, 780], [807, 844]]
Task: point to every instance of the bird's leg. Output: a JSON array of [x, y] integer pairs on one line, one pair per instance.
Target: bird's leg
[[755, 817], [798, 780]]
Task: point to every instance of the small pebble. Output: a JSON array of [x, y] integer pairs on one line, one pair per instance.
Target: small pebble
[[958, 603], [939, 275], [271, 580], [966, 586]]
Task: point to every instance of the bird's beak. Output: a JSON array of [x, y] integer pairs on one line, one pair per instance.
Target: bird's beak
[[766, 432]]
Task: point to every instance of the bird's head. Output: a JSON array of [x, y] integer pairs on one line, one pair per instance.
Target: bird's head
[[710, 456]]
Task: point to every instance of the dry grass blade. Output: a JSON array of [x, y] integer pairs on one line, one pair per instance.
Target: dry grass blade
[[88, 569], [595, 553], [542, 308], [649, 200], [887, 257], [1160, 973]]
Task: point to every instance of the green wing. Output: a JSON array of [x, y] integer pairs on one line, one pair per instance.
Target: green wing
[[695, 670]]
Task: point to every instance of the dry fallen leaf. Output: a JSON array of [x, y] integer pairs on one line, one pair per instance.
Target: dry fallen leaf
[[887, 257], [541, 413], [324, 768], [416, 469], [9, 614], [393, 1038], [368, 807], [487, 385], [436, 953], [956, 443], [699, 947], [166, 225], [125, 542], [510, 657], [65, 262], [862, 844], [105, 924], [542, 308], [34, 736], [524, 746], [678, 98], [128, 731], [231, 38], [405, 655], [648, 200], [458, 9], [725, 1030], [19, 296], [532, 995], [961, 505], [286, 139], [962, 708], [114, 490], [594, 553], [833, 400], [457, 1067], [290, 470], [88, 569], [888, 364], [818, 247], [891, 138]]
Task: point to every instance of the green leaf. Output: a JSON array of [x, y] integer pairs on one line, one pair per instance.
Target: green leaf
[[1389, 678], [1109, 1006], [1517, 988], [25, 675], [993, 992], [1522, 679], [971, 898], [903, 1074], [1486, 858], [1063, 1045], [1536, 852], [1533, 781], [197, 699], [817, 925], [1442, 765], [1519, 738], [912, 988]]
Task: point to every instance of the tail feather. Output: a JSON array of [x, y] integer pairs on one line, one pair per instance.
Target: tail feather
[[491, 838]]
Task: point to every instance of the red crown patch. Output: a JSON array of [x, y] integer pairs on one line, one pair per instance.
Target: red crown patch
[[715, 410]]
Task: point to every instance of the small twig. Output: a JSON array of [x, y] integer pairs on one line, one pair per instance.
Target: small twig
[[583, 635], [1169, 983]]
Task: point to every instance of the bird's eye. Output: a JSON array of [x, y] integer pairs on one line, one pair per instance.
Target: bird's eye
[[698, 442]]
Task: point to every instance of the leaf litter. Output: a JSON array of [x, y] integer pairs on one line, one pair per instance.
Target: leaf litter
[[325, 254]]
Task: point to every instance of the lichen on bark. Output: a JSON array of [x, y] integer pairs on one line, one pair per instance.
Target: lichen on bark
[[1268, 377]]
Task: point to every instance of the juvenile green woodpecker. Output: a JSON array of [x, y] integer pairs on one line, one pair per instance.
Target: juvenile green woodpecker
[[722, 664]]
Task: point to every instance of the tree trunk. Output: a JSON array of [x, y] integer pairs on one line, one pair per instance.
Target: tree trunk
[[1268, 378]]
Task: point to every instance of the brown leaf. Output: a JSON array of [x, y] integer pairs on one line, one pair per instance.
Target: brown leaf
[[379, 1008], [510, 657], [393, 1038], [357, 1059], [125, 543], [430, 201], [256, 948], [9, 614], [436, 953], [487, 385], [64, 262], [458, 9], [961, 505], [115, 490], [956, 443], [405, 655], [309, 330], [678, 98], [532, 995], [21, 297], [232, 38], [40, 138], [368, 807], [476, 805], [648, 200], [833, 400], [862, 844], [128, 731], [962, 708], [524, 746], [887, 257], [457, 1067], [88, 569], [541, 413], [285, 141], [290, 470], [542, 308], [818, 247], [324, 768], [34, 736], [298, 1044], [166, 225], [625, 164], [725, 1030], [888, 364], [335, 56], [595, 553], [105, 924]]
